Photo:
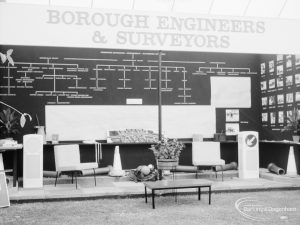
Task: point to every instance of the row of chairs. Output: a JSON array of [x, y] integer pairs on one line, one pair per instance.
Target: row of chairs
[[67, 157]]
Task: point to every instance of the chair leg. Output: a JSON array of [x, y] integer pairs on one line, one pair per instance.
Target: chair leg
[[215, 173], [222, 173], [72, 176], [56, 178], [76, 179], [95, 177]]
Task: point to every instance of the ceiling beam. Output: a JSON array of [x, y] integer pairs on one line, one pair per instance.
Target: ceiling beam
[[211, 6], [282, 8], [246, 9]]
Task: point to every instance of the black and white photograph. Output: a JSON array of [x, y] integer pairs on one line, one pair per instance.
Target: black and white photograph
[[297, 78], [279, 70], [280, 117], [232, 128], [262, 68], [264, 117], [288, 62], [263, 85], [264, 101], [297, 96], [165, 112], [289, 98], [232, 115], [271, 83], [272, 100], [280, 99], [279, 59], [289, 80], [271, 67], [297, 61], [272, 118], [279, 82]]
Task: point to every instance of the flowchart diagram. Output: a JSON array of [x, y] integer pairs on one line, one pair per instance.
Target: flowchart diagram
[[61, 78]]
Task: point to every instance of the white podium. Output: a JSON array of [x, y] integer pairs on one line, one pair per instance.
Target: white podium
[[32, 161], [248, 154]]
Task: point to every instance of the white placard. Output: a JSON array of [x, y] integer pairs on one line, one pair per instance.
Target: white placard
[[43, 25], [91, 122], [134, 101], [231, 92]]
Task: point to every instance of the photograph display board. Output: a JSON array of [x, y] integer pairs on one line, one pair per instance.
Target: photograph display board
[[280, 89]]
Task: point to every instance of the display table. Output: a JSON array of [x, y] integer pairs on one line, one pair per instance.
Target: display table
[[14, 148], [177, 184]]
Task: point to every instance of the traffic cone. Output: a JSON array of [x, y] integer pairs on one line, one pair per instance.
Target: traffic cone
[[291, 167], [117, 167]]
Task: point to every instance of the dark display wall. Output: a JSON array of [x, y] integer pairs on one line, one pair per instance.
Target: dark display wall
[[82, 76], [280, 93]]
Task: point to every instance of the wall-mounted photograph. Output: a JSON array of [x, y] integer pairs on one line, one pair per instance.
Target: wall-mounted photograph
[[289, 80], [262, 68], [280, 99], [279, 70], [289, 98], [264, 101], [232, 115], [232, 128], [264, 117], [280, 82], [289, 62], [271, 66], [280, 117], [279, 58], [272, 117], [263, 85]]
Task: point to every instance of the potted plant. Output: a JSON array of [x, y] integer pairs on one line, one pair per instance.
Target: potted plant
[[293, 124], [8, 122], [167, 152]]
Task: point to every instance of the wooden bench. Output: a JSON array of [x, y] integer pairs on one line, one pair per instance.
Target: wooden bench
[[177, 184]]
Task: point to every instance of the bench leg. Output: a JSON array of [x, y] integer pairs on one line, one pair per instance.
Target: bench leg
[[56, 178], [15, 170], [199, 193], [222, 175], [153, 197], [209, 194], [95, 177]]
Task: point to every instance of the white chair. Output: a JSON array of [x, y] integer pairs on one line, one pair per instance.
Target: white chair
[[207, 153], [67, 159]]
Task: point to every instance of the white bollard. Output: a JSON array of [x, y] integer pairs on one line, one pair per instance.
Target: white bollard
[[117, 167], [291, 169]]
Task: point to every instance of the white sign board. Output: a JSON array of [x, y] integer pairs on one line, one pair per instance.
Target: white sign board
[[40, 25], [91, 122], [231, 92]]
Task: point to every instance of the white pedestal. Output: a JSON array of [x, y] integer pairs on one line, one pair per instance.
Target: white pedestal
[[248, 154], [33, 161]]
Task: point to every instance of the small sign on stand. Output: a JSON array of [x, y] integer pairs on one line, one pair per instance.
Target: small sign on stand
[[4, 198]]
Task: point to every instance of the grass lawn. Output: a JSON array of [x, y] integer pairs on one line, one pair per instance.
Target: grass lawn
[[187, 210]]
